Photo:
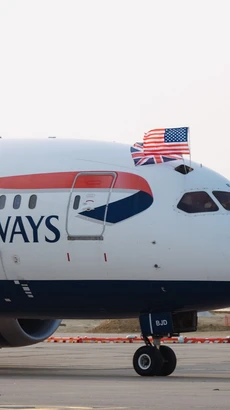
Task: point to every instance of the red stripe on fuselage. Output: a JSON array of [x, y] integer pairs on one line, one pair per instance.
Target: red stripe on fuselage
[[65, 180]]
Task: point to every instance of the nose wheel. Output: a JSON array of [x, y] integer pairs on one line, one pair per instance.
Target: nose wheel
[[147, 361], [151, 360], [169, 361]]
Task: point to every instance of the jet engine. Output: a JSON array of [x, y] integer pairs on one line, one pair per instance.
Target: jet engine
[[25, 332]]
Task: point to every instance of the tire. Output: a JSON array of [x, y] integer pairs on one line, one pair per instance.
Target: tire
[[147, 361], [169, 361]]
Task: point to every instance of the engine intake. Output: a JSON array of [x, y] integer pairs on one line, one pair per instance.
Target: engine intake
[[25, 332]]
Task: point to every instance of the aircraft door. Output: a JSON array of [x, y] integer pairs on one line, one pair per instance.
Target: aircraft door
[[88, 205]]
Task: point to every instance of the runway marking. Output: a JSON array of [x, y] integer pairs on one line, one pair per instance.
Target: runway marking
[[8, 407], [15, 407]]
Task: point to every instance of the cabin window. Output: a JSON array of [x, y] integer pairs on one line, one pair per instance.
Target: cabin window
[[224, 198], [32, 201], [196, 202], [76, 202], [2, 201], [17, 201]]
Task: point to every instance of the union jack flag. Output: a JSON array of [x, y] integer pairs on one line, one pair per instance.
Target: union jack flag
[[141, 158]]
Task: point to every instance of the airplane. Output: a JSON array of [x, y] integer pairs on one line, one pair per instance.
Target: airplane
[[87, 234]]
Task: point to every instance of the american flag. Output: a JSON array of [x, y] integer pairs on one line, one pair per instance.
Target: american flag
[[166, 141], [140, 158]]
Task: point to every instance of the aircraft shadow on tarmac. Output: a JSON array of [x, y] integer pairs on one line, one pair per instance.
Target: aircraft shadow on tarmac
[[103, 374]]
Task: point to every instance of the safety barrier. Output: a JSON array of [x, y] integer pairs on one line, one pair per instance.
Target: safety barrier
[[134, 339]]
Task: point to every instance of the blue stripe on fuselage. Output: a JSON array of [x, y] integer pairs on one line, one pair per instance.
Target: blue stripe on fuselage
[[123, 209], [108, 298]]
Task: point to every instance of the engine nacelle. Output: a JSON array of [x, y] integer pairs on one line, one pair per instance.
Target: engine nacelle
[[25, 332]]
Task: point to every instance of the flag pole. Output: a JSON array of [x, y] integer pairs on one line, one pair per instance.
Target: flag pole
[[188, 139], [189, 145]]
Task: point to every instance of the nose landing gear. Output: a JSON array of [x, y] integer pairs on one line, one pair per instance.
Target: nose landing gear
[[154, 360]]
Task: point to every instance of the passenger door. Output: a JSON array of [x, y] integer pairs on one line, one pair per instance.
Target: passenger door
[[88, 205]]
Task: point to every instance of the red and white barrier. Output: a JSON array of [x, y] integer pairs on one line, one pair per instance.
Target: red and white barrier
[[133, 339]]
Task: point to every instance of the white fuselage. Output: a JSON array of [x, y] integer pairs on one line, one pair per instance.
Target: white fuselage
[[104, 233]]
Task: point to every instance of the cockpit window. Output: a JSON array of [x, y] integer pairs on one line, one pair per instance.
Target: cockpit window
[[183, 169], [224, 198], [195, 202]]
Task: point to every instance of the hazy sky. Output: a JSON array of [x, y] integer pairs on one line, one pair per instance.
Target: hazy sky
[[113, 69]]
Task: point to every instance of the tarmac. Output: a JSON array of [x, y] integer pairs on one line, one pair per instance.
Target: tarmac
[[100, 376]]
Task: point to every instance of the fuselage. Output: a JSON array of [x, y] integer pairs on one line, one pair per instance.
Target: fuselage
[[85, 233]]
